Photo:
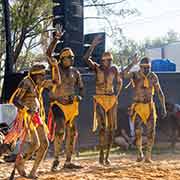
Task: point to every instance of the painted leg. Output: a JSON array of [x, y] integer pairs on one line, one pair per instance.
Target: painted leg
[[41, 152], [58, 141], [138, 135], [58, 117], [100, 115], [112, 118], [70, 140], [109, 145], [150, 138], [32, 147], [102, 145]]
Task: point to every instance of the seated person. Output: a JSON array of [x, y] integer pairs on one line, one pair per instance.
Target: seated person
[[173, 117]]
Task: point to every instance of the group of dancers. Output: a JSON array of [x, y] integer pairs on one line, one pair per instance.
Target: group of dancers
[[66, 90]]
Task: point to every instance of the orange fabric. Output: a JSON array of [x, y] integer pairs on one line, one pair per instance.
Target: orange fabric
[[70, 110], [106, 102], [143, 110]]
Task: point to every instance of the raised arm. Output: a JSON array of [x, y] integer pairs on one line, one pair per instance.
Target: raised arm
[[52, 46], [87, 56], [56, 79], [129, 75]]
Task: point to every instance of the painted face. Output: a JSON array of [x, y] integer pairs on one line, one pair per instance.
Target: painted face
[[145, 69], [68, 61], [106, 61], [39, 78]]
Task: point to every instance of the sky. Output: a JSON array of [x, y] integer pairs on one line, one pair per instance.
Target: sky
[[156, 18]]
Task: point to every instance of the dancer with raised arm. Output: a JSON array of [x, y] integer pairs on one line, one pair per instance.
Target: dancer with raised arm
[[145, 83], [105, 100], [65, 103]]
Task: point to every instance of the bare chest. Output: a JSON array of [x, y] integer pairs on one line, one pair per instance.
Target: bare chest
[[68, 77], [105, 76]]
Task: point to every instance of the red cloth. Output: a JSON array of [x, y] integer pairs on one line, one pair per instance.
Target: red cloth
[[36, 119], [18, 129], [51, 125]]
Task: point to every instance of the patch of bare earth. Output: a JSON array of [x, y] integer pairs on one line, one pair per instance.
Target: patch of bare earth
[[124, 167]]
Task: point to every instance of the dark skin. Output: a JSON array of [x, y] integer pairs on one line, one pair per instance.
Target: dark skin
[[109, 72], [105, 76], [28, 98], [145, 94], [71, 78], [71, 82]]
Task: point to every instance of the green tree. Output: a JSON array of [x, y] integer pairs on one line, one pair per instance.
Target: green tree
[[124, 48], [170, 37], [107, 10], [29, 20], [2, 39]]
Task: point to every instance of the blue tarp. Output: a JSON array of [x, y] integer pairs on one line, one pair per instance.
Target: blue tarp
[[163, 65]]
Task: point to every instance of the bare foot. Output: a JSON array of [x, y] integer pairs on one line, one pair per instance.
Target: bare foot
[[72, 166], [55, 165], [107, 162], [101, 157], [19, 164], [148, 160], [140, 158]]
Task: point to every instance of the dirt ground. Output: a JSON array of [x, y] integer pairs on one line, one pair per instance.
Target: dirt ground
[[165, 167]]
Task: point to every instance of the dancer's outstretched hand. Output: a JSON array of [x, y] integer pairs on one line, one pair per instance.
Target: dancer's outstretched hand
[[135, 59], [97, 40], [59, 32]]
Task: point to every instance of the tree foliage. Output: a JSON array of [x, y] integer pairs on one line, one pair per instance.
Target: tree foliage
[[125, 48], [29, 20], [170, 37], [107, 10]]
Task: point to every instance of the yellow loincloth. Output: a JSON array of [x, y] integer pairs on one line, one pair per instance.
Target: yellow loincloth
[[143, 110], [106, 102], [70, 110]]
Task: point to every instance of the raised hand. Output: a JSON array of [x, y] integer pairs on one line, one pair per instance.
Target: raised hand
[[135, 59], [59, 32], [98, 39]]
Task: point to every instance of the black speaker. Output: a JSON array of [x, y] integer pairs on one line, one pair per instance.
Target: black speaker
[[69, 14]]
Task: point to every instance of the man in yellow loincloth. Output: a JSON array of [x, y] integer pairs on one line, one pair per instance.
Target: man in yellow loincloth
[[145, 83], [30, 120], [105, 100], [64, 104]]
